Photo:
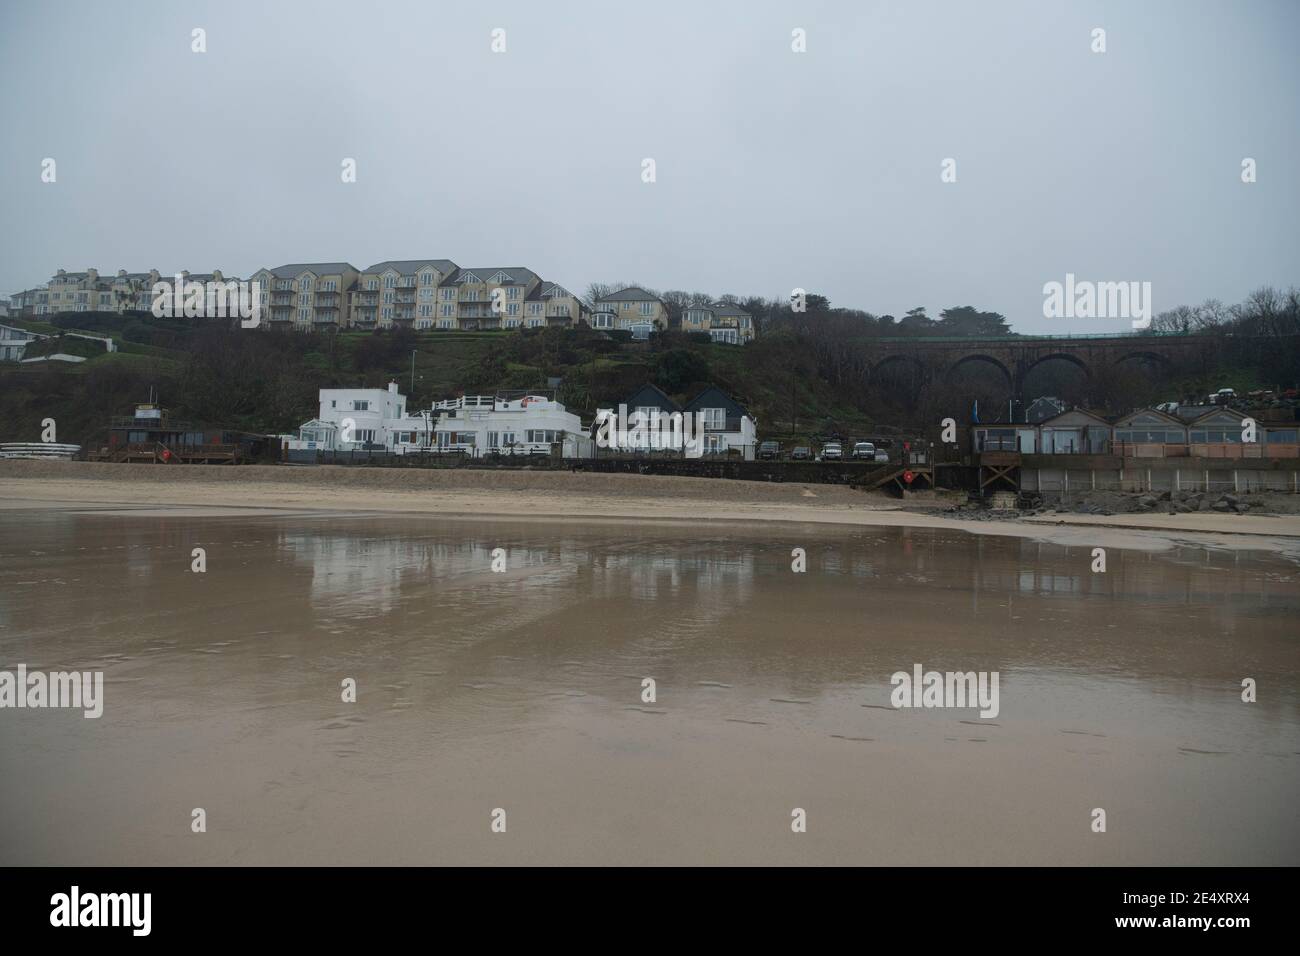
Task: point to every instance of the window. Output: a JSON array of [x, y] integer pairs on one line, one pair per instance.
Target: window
[[534, 308], [365, 435], [535, 323], [426, 310], [513, 309], [1284, 435], [512, 323], [715, 418], [448, 310], [512, 292], [426, 278], [372, 285], [388, 312], [1216, 436], [304, 298], [304, 284], [647, 308], [602, 320], [426, 294], [540, 436], [469, 295], [446, 323], [448, 294], [360, 406], [302, 315]]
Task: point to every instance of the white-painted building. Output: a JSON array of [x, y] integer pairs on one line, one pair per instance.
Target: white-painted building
[[353, 419], [712, 423], [479, 425]]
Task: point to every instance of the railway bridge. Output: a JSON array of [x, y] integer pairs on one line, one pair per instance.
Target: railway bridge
[[1016, 356]]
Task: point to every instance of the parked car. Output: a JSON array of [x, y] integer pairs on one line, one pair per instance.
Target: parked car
[[802, 453], [882, 455], [831, 451], [769, 450], [1167, 407], [863, 451]]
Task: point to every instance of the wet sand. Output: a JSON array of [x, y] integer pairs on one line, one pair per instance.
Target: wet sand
[[522, 690]]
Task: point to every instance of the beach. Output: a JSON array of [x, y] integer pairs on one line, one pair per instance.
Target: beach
[[500, 629]]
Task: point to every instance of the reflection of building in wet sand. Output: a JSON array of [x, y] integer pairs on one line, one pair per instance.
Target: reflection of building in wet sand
[[373, 574], [718, 575]]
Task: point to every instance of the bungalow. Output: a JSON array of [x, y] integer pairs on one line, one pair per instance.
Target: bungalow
[[1219, 433], [1148, 433], [1075, 432]]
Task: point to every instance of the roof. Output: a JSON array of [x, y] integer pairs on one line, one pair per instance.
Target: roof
[[1060, 420], [295, 269], [408, 267], [1224, 410], [651, 396], [632, 293], [714, 397], [1150, 412], [517, 274]]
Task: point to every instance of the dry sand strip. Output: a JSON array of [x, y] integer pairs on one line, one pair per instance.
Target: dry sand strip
[[525, 494]]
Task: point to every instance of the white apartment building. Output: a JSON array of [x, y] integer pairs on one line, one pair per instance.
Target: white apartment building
[[479, 425], [363, 419]]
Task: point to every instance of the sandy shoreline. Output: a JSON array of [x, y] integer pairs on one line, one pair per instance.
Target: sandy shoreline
[[575, 495]]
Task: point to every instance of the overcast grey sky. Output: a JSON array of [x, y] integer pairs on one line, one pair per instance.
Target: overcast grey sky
[[774, 169]]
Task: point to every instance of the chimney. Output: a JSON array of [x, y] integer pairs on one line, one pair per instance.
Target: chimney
[[392, 388], [121, 273], [63, 272], [92, 274]]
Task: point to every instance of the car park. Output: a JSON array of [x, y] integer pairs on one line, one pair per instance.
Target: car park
[[769, 450], [802, 453], [831, 451], [863, 451]]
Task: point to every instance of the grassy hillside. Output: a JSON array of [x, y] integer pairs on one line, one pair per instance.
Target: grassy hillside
[[267, 381]]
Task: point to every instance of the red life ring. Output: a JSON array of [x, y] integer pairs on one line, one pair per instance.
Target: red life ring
[[167, 454], [908, 476]]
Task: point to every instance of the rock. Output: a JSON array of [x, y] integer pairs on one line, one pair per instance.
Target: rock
[[1230, 499], [1221, 506], [1147, 502], [1164, 495], [1242, 507], [1182, 508], [1205, 505]]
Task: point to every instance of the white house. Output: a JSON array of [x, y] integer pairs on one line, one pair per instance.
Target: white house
[[364, 418], [712, 423], [480, 425]]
